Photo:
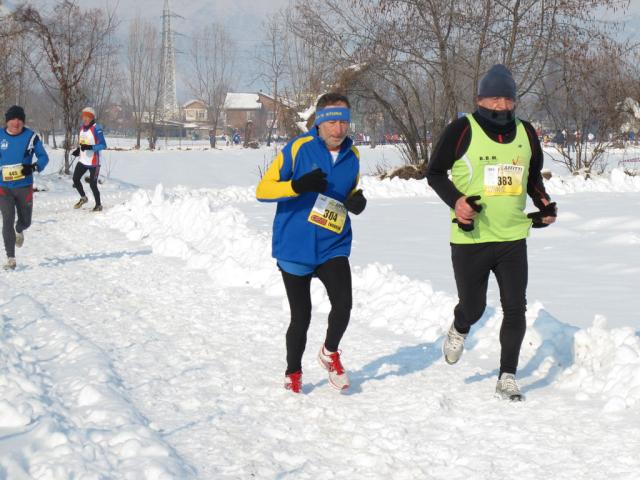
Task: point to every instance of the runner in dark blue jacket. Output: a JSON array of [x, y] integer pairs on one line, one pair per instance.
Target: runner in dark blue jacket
[[314, 180], [17, 148]]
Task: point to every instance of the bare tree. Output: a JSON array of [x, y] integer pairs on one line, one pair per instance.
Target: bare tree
[[421, 60], [211, 58], [272, 63], [143, 73], [584, 95], [103, 76], [12, 71], [70, 43], [307, 68]]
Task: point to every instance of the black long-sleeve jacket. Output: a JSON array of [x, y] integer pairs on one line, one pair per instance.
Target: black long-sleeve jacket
[[453, 144]]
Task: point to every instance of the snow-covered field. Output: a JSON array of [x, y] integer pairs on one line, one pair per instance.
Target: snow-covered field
[[147, 342]]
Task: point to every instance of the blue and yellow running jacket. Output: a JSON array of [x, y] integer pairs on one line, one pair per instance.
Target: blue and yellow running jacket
[[295, 238]]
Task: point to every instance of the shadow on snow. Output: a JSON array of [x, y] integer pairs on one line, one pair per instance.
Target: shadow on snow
[[57, 261], [556, 348]]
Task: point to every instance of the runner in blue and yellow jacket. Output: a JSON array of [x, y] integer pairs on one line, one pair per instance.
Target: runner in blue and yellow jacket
[[18, 145], [314, 180]]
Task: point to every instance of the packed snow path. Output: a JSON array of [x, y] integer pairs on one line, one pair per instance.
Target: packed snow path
[[198, 363]]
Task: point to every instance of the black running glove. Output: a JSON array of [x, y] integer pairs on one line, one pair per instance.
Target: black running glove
[[86, 147], [550, 210], [28, 169], [76, 152], [468, 227], [356, 203], [315, 181]]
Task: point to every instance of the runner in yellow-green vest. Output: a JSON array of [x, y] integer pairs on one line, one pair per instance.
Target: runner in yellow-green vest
[[494, 160]]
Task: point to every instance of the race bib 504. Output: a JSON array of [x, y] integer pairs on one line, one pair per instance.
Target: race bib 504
[[503, 179], [328, 213]]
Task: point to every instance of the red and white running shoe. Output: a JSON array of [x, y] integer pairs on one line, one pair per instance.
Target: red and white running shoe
[[330, 361], [293, 382]]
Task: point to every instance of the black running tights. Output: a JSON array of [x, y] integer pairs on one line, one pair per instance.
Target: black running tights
[[335, 274]]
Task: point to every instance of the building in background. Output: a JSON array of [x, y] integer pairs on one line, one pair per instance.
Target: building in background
[[195, 115], [254, 114]]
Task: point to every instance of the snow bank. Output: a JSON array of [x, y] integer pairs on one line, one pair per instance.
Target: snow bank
[[185, 225], [616, 181], [606, 365], [63, 411], [387, 300], [200, 228], [373, 187], [594, 363]]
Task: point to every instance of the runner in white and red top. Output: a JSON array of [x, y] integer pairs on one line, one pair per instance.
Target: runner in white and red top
[[91, 143]]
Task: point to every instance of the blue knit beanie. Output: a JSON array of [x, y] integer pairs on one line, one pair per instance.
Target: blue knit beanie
[[497, 82]]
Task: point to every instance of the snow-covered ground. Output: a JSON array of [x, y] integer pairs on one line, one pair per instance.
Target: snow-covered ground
[[147, 342]]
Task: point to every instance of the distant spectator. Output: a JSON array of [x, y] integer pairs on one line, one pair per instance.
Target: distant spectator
[[571, 142]]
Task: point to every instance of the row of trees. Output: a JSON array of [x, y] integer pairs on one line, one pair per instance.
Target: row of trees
[[414, 65], [409, 65], [211, 73], [57, 61], [419, 61]]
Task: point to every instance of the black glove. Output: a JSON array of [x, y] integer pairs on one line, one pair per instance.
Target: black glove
[[86, 147], [468, 227], [315, 181], [356, 203], [76, 152], [28, 169], [550, 210]]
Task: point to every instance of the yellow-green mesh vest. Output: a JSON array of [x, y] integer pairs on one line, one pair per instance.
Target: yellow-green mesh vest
[[502, 218]]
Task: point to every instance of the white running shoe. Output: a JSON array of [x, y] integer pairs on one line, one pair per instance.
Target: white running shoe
[[11, 264], [330, 361], [19, 239], [453, 345], [81, 202], [508, 389]]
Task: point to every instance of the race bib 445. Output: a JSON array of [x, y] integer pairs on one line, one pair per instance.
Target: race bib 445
[[503, 180], [11, 173], [328, 213]]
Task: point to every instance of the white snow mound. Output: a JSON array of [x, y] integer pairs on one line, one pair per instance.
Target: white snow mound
[[200, 228]]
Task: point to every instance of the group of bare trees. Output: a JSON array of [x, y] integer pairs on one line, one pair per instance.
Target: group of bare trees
[[210, 75], [410, 66], [143, 75], [584, 94], [211, 61], [72, 60], [57, 60], [416, 63]]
